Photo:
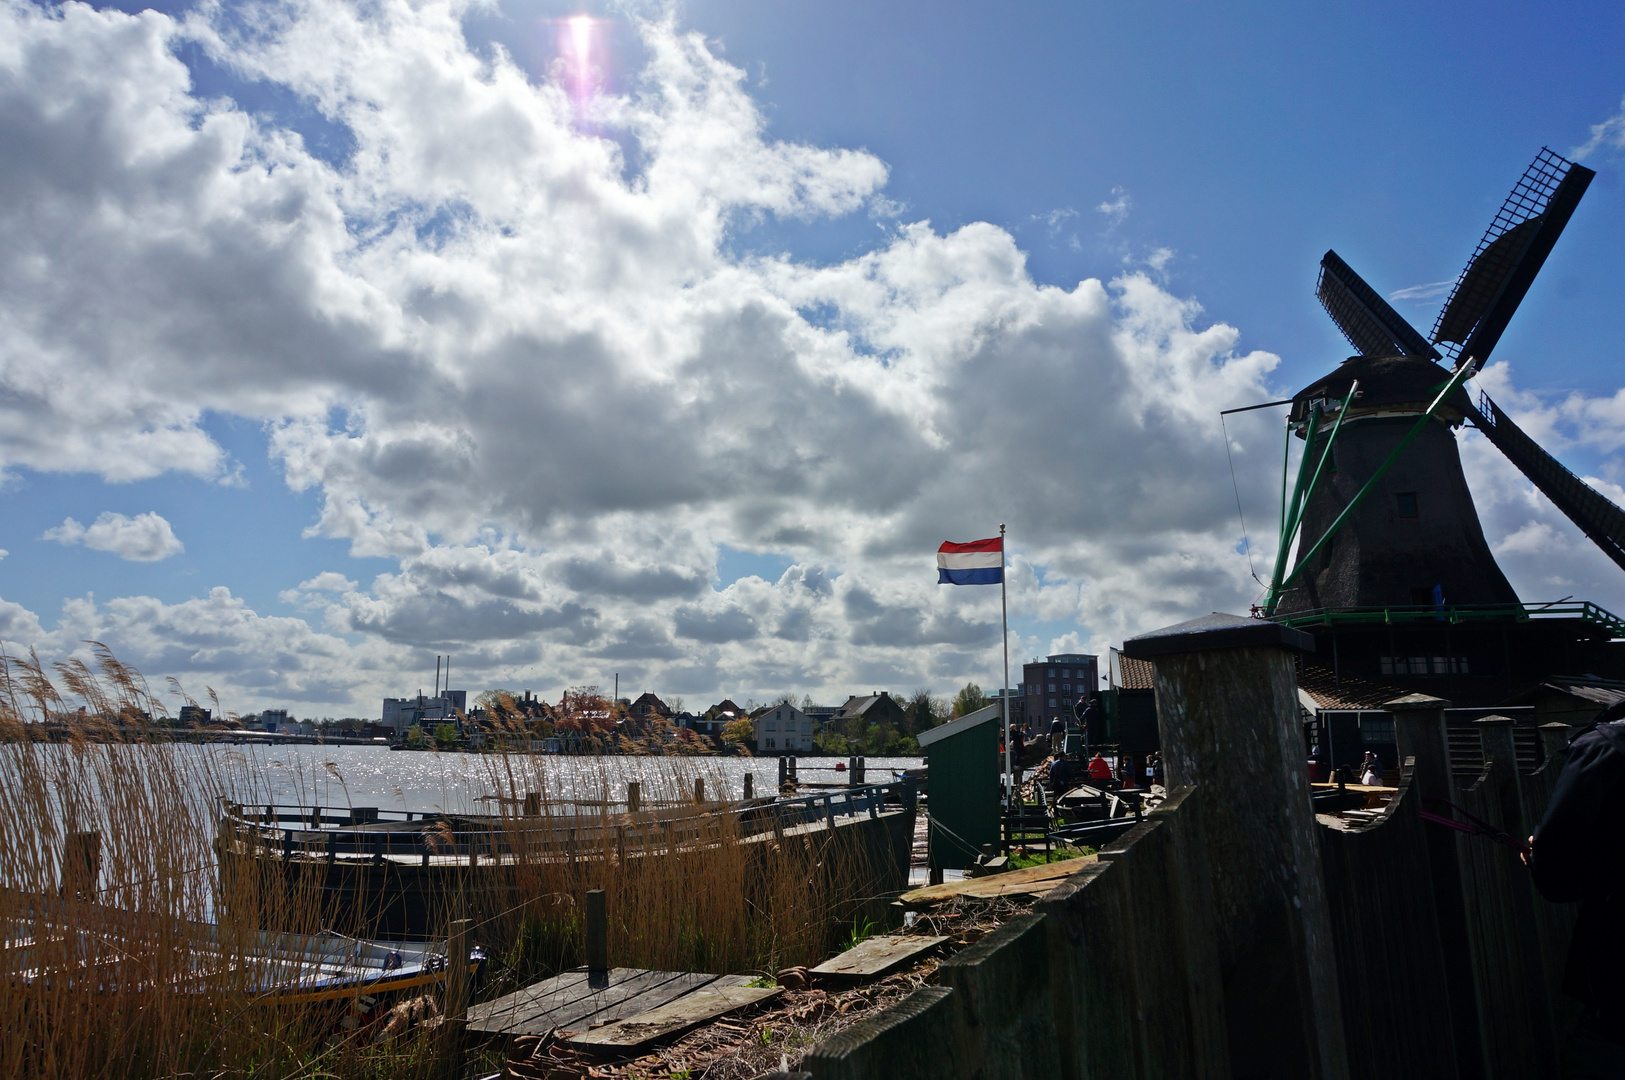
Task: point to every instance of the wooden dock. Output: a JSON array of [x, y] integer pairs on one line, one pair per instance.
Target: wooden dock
[[617, 1011]]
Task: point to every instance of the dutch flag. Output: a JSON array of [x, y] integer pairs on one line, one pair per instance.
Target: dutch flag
[[980, 562]]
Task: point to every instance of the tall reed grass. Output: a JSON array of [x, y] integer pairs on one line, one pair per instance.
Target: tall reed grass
[[149, 970]]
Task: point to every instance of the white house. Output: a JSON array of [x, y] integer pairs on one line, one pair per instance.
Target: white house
[[783, 729]]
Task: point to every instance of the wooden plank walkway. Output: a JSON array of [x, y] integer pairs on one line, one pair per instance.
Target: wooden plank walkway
[[1031, 881], [578, 998], [628, 1037], [874, 957]]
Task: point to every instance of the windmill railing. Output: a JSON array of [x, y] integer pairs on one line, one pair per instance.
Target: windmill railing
[[1456, 614]]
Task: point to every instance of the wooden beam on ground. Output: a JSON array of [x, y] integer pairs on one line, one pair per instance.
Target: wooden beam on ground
[[874, 957], [628, 1037], [652, 998], [1031, 881], [576, 996]]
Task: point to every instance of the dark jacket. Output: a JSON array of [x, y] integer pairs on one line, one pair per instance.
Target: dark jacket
[[1579, 855]]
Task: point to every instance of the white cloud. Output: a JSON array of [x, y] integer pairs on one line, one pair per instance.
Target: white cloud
[[1115, 208], [530, 369], [144, 538], [1610, 133], [1419, 293]]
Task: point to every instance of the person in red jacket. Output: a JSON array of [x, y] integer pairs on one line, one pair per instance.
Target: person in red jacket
[[1099, 769]]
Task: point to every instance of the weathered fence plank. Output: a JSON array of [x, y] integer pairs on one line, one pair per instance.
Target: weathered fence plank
[[1390, 964]]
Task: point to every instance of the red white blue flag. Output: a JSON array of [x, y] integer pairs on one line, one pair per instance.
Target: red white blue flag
[[980, 562]]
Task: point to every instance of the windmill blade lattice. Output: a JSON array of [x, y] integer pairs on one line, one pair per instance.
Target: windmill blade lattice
[[1597, 516], [1509, 256], [1366, 319]]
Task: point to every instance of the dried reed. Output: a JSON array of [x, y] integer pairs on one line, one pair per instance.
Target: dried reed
[[140, 961]]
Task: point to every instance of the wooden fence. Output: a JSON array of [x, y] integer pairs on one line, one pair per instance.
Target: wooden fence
[[1402, 949]]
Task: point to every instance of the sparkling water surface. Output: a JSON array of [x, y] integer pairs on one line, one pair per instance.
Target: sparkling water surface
[[471, 783]]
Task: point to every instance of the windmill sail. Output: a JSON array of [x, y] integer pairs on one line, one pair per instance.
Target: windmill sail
[[1596, 515], [1510, 254], [1371, 325]]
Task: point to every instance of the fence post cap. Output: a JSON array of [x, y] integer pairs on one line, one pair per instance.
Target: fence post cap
[[1415, 701], [1496, 720], [1216, 631]]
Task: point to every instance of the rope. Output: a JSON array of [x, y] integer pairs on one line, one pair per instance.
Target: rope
[[1473, 826], [1236, 487]]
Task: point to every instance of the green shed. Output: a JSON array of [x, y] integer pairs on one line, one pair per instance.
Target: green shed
[[962, 784]]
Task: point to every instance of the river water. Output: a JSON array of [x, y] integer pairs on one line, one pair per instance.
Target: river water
[[464, 783]]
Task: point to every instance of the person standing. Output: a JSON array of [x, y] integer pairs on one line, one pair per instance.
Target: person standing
[[1371, 770], [1057, 736], [1578, 854]]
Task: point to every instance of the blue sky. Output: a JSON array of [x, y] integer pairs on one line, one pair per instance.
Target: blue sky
[[741, 531]]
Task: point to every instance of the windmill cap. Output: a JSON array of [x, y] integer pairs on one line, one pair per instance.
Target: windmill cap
[[1390, 383], [1216, 631]]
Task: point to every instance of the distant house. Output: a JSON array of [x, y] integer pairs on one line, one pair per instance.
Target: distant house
[[877, 708], [701, 725], [727, 708], [647, 707], [196, 716], [783, 729]]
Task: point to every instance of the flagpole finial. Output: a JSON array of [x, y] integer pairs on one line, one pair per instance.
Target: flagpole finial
[[1001, 528]]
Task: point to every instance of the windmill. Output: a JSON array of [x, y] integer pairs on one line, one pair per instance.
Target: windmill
[[1382, 515]]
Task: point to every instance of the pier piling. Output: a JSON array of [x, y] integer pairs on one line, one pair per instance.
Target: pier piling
[[597, 931], [634, 797], [750, 786], [457, 970], [81, 864]]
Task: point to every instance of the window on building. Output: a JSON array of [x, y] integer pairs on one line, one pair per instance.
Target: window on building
[[1052, 688], [1052, 673], [1405, 503], [1419, 665], [1377, 727], [1052, 703], [1066, 688], [1066, 673], [770, 744]]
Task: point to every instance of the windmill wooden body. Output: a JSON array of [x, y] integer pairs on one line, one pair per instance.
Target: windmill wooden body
[[1389, 566]]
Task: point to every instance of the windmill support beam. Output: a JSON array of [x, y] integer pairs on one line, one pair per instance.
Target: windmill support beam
[[1292, 510], [1451, 385], [1290, 529]]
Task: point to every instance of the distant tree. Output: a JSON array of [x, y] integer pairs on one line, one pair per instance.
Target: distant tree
[[585, 709], [968, 700], [741, 730], [674, 702], [445, 734], [490, 699], [806, 702], [924, 711]]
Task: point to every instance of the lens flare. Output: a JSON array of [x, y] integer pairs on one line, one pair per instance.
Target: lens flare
[[581, 72], [581, 40]]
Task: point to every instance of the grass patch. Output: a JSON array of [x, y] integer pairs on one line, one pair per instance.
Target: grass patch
[[1059, 854]]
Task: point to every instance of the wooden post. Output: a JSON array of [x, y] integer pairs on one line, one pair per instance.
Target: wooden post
[[857, 773], [750, 786], [533, 804], [81, 864], [1227, 707], [784, 773], [793, 778], [457, 983], [634, 797], [851, 771], [1554, 739], [699, 789], [1420, 734], [597, 931]]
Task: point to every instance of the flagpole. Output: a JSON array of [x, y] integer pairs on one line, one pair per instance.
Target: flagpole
[[1004, 691]]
